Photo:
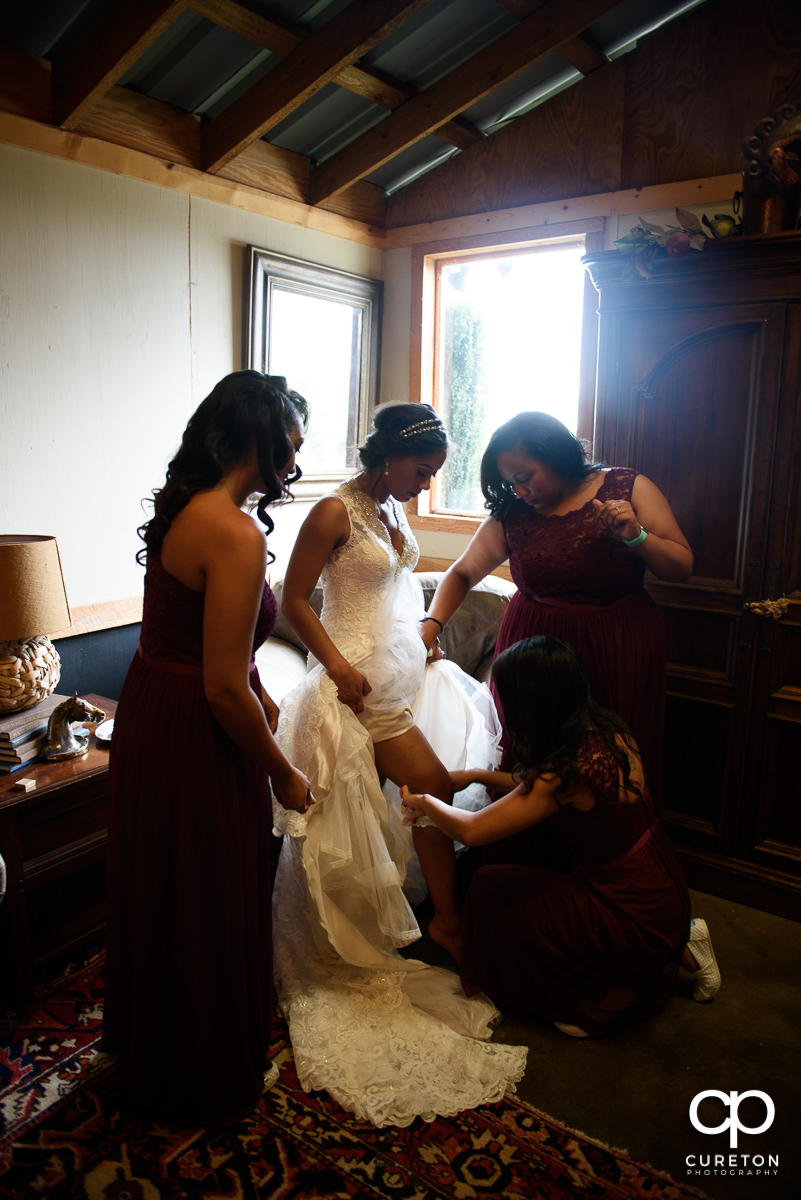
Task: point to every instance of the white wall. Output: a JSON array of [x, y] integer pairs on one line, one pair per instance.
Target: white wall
[[120, 308]]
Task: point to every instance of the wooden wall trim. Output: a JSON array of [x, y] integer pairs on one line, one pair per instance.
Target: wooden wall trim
[[33, 135], [716, 189], [42, 138], [111, 614]]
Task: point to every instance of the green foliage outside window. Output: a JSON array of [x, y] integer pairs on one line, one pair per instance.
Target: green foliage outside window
[[463, 408]]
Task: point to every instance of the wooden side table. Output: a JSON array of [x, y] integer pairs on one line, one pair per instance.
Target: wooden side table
[[53, 841]]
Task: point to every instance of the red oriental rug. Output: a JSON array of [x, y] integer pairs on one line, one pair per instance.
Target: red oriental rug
[[64, 1138]]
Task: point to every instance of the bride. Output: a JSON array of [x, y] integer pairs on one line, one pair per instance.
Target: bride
[[390, 1038]]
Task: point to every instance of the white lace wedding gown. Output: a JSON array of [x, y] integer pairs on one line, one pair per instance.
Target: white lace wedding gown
[[390, 1038]]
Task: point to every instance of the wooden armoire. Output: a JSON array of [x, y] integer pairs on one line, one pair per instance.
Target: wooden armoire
[[699, 387]]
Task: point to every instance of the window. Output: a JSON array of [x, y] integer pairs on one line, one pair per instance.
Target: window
[[321, 329], [505, 327]]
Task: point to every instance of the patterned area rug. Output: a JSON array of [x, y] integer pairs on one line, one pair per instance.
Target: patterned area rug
[[63, 1138]]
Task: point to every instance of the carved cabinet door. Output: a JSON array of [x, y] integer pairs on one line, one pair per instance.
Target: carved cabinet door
[[698, 388]]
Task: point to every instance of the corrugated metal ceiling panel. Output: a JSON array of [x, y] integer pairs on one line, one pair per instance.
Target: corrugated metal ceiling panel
[[198, 67]]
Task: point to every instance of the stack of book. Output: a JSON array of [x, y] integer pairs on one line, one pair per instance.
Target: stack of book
[[22, 734]]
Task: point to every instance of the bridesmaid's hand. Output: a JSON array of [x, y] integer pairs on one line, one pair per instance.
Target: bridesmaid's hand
[[293, 791], [412, 806], [429, 631], [462, 779], [435, 652], [352, 687], [618, 518]]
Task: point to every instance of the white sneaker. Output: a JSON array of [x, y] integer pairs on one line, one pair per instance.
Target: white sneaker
[[571, 1030], [707, 978]]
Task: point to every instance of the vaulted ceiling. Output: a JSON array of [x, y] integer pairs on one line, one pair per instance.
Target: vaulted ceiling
[[332, 103]]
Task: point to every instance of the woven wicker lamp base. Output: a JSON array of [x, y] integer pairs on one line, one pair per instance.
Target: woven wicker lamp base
[[29, 671]]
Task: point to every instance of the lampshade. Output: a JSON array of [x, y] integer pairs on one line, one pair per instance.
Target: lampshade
[[33, 603]]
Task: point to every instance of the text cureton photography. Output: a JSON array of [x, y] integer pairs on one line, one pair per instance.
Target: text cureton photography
[[737, 1161]]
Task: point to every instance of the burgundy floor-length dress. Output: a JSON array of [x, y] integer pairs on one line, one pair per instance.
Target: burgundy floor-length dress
[[598, 947], [577, 583], [189, 966]]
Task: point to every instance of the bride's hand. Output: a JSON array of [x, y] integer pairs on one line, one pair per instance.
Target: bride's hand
[[352, 687]]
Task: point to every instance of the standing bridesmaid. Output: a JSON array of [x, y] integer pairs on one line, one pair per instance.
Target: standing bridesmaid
[[578, 537], [189, 967]]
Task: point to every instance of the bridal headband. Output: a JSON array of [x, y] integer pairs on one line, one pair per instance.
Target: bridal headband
[[421, 427]]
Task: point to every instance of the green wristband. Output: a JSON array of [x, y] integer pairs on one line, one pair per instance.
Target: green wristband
[[635, 542]]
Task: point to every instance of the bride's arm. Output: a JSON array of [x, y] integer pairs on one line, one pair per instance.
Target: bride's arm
[[326, 528]]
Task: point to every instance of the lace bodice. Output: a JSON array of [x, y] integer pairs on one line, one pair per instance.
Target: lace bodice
[[611, 827], [569, 556], [599, 769], [360, 575]]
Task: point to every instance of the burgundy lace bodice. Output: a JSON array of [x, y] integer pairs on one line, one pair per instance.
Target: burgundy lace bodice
[[599, 769], [610, 827], [571, 557], [172, 617]]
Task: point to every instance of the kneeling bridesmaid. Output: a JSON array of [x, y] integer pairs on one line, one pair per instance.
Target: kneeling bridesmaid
[[596, 949]]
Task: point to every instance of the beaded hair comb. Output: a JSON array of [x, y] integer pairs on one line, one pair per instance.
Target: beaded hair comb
[[421, 426]]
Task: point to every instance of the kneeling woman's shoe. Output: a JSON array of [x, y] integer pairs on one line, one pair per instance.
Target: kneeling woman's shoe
[[706, 980], [571, 1030]]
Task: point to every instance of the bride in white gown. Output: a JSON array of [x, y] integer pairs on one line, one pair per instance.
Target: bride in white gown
[[389, 1037]]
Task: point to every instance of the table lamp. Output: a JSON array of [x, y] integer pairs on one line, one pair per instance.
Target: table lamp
[[33, 603]]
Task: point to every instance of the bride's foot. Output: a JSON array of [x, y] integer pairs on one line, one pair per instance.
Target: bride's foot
[[449, 939]]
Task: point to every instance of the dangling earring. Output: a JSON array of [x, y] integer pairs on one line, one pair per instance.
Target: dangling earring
[[386, 466]]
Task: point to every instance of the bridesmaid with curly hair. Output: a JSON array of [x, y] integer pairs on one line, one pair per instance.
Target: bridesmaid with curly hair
[[189, 966]]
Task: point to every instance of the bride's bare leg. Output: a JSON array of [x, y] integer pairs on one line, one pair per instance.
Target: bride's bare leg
[[409, 759], [438, 863]]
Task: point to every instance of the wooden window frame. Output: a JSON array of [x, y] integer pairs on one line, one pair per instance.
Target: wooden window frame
[[423, 376]]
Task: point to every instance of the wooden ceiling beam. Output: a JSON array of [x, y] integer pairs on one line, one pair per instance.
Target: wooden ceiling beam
[[580, 51], [250, 22], [25, 85], [583, 53], [390, 93], [552, 24], [116, 46], [282, 37], [106, 56], [314, 63], [127, 118]]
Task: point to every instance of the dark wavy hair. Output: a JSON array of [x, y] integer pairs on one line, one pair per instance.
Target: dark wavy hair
[[548, 710], [244, 407], [542, 437], [397, 433]]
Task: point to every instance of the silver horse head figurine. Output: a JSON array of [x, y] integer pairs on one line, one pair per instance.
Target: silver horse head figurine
[[61, 741]]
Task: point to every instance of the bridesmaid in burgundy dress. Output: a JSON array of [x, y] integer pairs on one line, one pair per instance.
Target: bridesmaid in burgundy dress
[[578, 538], [189, 985], [596, 949]]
